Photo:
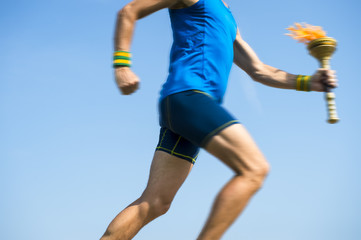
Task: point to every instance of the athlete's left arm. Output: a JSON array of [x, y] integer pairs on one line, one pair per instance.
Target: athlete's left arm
[[247, 60]]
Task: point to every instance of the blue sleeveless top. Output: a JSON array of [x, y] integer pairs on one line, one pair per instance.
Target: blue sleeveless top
[[202, 52]]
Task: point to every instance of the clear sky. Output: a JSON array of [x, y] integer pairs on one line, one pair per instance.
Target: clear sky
[[74, 152]]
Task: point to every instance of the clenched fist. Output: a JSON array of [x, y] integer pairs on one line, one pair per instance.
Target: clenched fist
[[126, 80]]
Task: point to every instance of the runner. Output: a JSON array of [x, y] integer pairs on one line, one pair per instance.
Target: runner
[[206, 43]]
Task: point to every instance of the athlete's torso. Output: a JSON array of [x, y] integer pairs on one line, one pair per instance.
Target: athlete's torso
[[202, 52]]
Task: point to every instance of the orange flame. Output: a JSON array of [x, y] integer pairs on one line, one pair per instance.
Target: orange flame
[[305, 33]]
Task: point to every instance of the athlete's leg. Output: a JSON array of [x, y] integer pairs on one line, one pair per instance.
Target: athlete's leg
[[167, 174], [235, 147]]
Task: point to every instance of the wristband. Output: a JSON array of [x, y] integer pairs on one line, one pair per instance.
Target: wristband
[[303, 83], [122, 59]]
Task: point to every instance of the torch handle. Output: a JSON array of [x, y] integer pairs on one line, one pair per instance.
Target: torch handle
[[330, 96], [331, 106]]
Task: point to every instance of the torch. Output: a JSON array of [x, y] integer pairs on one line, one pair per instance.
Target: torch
[[321, 47]]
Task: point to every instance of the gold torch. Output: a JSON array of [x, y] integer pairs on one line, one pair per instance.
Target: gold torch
[[321, 47]]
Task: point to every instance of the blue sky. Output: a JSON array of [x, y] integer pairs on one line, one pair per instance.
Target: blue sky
[[74, 152]]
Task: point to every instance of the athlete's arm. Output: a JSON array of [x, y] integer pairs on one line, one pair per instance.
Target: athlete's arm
[[247, 60], [126, 80]]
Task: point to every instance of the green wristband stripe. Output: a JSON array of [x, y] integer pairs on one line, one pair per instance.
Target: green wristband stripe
[[121, 57], [121, 52], [121, 65], [302, 84]]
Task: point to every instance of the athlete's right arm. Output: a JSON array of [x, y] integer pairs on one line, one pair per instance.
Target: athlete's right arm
[[126, 80]]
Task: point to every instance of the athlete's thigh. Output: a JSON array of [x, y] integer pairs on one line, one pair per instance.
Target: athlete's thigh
[[167, 174], [236, 148]]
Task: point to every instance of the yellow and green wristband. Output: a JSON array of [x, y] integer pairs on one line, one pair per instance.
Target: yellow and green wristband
[[122, 59], [303, 83]]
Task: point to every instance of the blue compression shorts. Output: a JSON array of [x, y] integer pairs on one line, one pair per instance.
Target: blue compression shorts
[[188, 121]]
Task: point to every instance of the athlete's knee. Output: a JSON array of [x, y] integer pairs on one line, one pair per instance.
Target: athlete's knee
[[257, 174], [158, 205], [254, 170]]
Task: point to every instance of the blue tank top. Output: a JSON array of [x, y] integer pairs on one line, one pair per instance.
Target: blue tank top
[[202, 52]]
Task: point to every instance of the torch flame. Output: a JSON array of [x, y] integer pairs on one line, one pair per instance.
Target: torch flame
[[305, 33]]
